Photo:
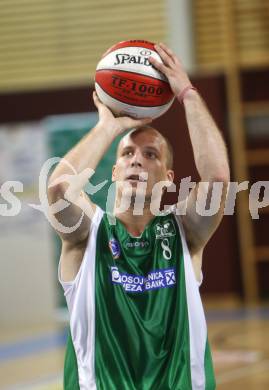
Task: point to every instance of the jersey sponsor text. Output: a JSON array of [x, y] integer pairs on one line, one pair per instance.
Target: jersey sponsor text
[[157, 279]]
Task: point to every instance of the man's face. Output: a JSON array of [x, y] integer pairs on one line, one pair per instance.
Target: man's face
[[141, 158]]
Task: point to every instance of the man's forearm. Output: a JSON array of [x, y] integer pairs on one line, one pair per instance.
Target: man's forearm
[[87, 153], [208, 146]]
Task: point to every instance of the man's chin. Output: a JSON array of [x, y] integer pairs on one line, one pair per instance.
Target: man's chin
[[134, 195]]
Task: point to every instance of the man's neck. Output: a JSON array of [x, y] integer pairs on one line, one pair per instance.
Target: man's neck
[[135, 224]]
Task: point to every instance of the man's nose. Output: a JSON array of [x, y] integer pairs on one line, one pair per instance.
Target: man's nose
[[136, 164], [136, 160]]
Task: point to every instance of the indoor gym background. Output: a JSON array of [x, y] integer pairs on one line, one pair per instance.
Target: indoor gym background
[[49, 50]]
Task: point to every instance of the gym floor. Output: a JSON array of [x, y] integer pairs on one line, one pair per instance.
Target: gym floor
[[32, 359]]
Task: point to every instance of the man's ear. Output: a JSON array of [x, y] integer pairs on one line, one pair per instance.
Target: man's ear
[[113, 173], [170, 175]]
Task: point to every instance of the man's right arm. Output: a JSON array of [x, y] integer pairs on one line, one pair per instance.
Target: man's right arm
[[74, 168], [71, 175]]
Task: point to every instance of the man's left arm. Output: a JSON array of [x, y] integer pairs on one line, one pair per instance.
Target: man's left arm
[[209, 150], [212, 164]]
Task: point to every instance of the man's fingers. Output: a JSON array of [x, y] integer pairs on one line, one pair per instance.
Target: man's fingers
[[142, 122], [96, 99], [129, 123], [167, 50], [158, 65], [164, 56], [97, 102]]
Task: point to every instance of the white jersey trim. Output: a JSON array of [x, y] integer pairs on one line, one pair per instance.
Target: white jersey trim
[[80, 298], [197, 322]]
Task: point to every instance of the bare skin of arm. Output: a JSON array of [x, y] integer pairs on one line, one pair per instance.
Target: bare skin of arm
[[209, 151], [86, 154]]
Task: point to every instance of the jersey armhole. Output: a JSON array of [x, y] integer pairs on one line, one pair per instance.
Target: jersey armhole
[[68, 286], [183, 237]]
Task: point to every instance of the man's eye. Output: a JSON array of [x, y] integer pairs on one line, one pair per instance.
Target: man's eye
[[151, 155], [127, 153]]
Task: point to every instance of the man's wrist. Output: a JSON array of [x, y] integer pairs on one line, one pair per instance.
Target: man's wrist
[[188, 93], [191, 97], [111, 131]]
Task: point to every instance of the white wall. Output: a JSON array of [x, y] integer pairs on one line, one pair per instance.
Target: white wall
[[180, 31], [27, 272]]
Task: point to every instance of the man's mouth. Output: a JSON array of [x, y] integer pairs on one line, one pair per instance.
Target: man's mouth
[[142, 177]]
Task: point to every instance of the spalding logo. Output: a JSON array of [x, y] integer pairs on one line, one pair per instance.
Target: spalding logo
[[131, 59], [145, 52]]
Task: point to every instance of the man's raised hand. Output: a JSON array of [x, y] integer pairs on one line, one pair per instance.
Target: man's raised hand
[[171, 68], [118, 124]]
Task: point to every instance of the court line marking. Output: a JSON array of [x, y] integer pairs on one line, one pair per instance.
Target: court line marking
[[31, 346], [213, 315]]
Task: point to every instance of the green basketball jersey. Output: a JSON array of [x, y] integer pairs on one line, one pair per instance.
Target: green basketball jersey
[[136, 318]]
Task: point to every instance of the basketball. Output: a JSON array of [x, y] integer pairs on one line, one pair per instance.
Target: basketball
[[127, 83]]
